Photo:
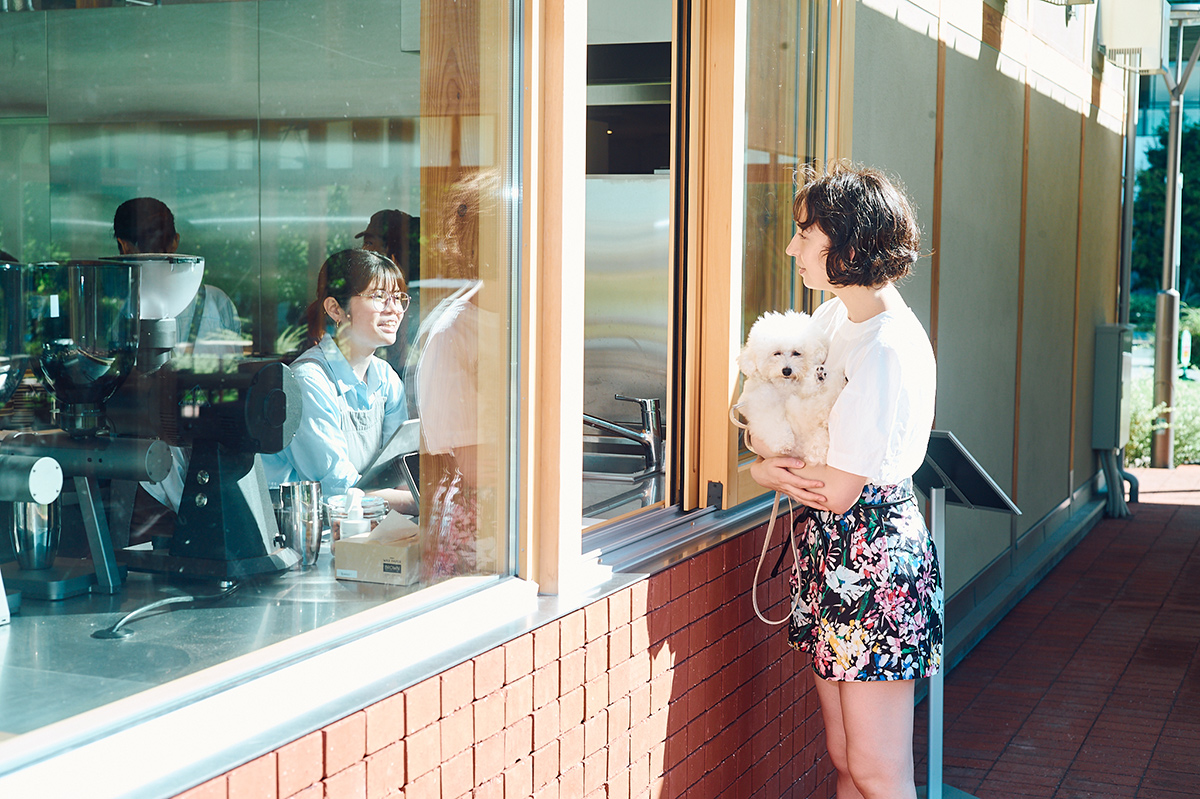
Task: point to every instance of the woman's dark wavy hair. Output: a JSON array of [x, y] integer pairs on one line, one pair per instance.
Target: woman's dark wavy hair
[[872, 230], [345, 274]]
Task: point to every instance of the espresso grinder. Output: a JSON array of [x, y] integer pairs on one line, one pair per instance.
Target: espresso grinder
[[218, 412], [80, 332]]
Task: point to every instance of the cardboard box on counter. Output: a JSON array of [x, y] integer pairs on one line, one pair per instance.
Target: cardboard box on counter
[[390, 554]]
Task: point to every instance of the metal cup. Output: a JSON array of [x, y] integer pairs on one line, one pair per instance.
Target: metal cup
[[300, 519], [35, 530]]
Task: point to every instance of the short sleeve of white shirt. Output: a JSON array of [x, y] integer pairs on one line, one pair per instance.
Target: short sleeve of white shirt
[[879, 426], [446, 386]]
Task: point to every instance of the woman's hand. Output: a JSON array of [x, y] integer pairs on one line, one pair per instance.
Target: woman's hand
[[400, 500], [782, 474]]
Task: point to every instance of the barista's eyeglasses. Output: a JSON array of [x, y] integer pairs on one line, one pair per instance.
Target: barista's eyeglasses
[[380, 299]]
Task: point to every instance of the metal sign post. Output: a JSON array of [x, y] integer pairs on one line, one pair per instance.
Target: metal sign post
[[950, 474], [4, 615]]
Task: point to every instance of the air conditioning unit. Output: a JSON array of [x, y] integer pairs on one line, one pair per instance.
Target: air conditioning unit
[[1136, 27]]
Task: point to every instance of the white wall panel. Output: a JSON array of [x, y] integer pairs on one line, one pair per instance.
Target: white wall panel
[[895, 115], [977, 319], [1049, 314]]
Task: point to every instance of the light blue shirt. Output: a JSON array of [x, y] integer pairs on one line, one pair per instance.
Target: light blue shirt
[[320, 451]]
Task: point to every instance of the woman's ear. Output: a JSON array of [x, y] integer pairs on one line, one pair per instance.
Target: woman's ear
[[333, 310]]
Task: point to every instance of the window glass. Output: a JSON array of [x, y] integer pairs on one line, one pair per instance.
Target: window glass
[[780, 120], [627, 258], [780, 117], [183, 361]]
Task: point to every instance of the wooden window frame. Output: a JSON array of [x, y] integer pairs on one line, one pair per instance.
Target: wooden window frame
[[708, 126], [714, 473]]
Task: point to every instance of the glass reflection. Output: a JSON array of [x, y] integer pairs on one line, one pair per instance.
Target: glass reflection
[[780, 123], [273, 132], [780, 138]]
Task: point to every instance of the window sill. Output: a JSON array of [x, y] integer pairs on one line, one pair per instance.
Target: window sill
[[191, 729], [185, 731], [655, 540]]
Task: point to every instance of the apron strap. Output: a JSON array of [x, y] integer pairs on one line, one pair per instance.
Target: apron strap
[[197, 315], [321, 362]]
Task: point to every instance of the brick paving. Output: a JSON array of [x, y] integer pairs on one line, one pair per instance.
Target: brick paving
[[1090, 686]]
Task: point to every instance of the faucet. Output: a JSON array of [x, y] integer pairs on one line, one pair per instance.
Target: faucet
[[648, 437]]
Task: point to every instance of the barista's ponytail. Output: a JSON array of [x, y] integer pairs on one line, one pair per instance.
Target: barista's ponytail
[[314, 317]]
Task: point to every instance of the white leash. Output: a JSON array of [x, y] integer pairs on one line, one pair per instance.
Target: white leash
[[733, 412], [763, 556]]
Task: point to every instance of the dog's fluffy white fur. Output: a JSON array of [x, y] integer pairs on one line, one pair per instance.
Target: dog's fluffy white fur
[[787, 396]]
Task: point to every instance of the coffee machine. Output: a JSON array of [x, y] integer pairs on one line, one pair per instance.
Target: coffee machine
[[101, 336], [218, 414], [78, 328], [25, 481]]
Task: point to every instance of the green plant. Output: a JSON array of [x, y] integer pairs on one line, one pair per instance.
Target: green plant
[[1142, 310], [1144, 420], [36, 252], [1148, 216], [291, 339]]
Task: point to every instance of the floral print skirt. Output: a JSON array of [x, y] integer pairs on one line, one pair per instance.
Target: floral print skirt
[[448, 548], [867, 591]]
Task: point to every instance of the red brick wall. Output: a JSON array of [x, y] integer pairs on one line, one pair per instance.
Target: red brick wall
[[669, 688]]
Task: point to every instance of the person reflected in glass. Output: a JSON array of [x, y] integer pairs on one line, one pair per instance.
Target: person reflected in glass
[[397, 235], [867, 601], [459, 466], [353, 400], [145, 225]]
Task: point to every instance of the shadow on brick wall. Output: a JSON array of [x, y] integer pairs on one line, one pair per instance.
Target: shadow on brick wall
[[735, 704]]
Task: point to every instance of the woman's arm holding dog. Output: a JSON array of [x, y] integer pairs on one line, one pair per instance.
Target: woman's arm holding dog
[[840, 490], [782, 474]]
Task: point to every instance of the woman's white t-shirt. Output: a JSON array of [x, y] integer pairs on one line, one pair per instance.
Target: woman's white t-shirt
[[879, 426]]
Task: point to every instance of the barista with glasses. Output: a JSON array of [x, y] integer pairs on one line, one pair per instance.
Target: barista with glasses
[[353, 400]]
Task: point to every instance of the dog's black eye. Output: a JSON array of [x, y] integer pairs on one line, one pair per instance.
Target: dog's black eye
[[795, 355], [779, 353]]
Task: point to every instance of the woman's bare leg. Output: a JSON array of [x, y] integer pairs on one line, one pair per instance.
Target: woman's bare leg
[[835, 736], [869, 729]]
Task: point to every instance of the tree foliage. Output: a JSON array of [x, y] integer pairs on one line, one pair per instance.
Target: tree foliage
[[1148, 210]]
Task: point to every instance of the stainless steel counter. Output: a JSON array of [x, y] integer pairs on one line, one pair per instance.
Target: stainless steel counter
[[52, 669]]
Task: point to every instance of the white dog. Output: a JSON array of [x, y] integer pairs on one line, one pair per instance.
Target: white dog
[[787, 395]]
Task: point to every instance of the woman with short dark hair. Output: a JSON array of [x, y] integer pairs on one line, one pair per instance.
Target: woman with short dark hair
[[866, 588]]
